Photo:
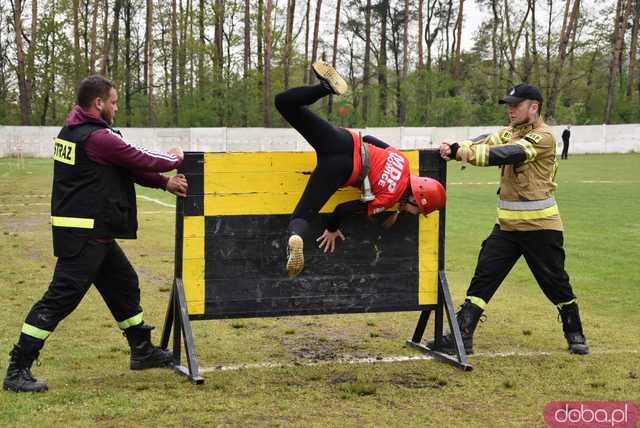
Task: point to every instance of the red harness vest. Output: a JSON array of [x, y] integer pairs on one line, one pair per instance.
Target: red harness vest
[[389, 174]]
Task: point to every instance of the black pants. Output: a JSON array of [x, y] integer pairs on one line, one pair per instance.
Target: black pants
[[102, 264], [333, 146], [544, 253], [565, 150]]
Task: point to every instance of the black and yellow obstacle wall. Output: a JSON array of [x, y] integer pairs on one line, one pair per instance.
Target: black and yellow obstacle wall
[[231, 243]]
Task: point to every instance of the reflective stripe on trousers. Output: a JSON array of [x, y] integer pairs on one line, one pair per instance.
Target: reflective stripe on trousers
[[77, 222]]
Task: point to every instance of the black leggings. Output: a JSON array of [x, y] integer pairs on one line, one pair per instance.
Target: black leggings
[[333, 146]]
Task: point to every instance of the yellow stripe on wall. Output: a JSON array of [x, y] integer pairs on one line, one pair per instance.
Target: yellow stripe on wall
[[428, 259], [265, 183], [193, 264]]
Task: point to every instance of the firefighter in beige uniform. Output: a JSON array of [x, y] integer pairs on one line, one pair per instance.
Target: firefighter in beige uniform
[[528, 222]]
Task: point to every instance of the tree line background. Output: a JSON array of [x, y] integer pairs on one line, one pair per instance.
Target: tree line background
[[219, 62]]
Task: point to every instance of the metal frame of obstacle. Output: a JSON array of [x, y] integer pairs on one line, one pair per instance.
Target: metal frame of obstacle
[[177, 325]]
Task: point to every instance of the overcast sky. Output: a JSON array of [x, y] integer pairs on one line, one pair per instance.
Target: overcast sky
[[473, 19]]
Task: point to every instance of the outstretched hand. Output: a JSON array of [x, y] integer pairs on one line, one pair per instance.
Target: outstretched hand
[[177, 152], [445, 150], [328, 240], [177, 185]]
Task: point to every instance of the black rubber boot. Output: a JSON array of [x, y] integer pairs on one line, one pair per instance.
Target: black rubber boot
[[572, 328], [19, 378], [468, 317], [143, 354]]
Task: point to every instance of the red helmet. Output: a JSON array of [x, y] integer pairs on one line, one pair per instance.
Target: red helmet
[[428, 193]]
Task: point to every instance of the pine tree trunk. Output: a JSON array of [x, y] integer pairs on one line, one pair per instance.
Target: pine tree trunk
[[382, 60], [260, 41], [291, 7], [335, 51], [246, 63], [127, 61], [446, 30], [174, 61], [633, 48], [149, 63], [93, 36], [420, 43], [218, 35], [115, 36], [570, 20], [202, 47], [105, 39], [402, 105], [76, 39], [623, 10], [24, 95], [535, 72], [267, 101], [548, 59], [367, 64], [457, 42], [314, 45], [47, 77], [306, 44], [31, 74]]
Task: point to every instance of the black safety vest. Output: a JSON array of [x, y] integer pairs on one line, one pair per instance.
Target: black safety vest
[[88, 200]]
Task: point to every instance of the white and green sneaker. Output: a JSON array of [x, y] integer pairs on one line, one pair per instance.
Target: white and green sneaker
[[330, 76], [295, 256]]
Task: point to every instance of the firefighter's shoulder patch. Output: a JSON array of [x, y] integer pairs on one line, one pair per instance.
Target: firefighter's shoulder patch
[[506, 135], [534, 137]]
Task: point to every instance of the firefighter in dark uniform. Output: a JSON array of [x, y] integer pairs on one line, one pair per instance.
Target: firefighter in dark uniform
[[566, 135], [93, 201], [528, 221]]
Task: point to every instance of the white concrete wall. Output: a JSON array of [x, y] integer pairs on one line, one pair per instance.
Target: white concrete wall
[[37, 141]]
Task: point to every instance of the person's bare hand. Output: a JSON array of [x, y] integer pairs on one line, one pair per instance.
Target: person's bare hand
[[445, 150], [178, 185], [328, 240], [177, 152], [391, 220]]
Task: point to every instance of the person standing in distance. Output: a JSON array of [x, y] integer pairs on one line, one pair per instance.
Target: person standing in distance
[[93, 202], [566, 134], [529, 222]]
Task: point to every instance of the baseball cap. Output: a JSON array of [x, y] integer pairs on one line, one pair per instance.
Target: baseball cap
[[520, 93]]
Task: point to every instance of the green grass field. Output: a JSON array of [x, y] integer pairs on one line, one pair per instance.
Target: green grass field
[[521, 362]]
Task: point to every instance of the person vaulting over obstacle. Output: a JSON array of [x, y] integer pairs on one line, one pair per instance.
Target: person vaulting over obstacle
[[344, 158]]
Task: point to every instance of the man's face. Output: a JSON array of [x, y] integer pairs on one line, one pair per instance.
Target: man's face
[[523, 112], [108, 107]]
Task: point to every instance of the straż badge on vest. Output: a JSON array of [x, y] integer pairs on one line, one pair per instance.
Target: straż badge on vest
[[64, 151]]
